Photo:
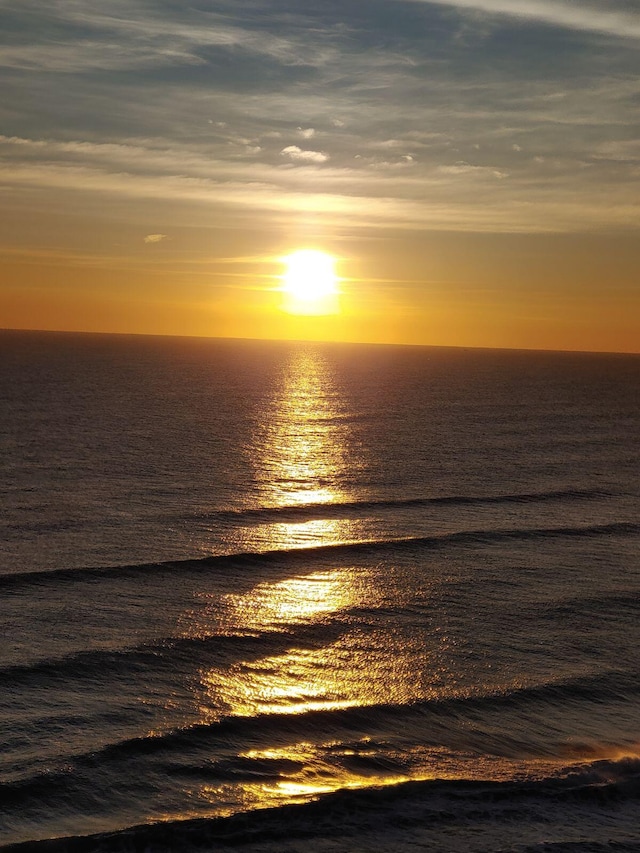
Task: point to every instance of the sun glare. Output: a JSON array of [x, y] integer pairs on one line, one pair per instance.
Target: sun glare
[[310, 283]]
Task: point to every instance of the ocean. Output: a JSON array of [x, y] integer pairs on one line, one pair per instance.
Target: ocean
[[268, 596]]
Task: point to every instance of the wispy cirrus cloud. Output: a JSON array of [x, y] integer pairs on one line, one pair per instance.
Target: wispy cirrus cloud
[[611, 17], [123, 35], [545, 196]]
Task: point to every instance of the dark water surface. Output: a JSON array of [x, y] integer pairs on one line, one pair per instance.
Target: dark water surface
[[400, 586]]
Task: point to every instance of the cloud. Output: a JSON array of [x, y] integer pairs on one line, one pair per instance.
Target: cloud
[[462, 196], [623, 151], [155, 238], [469, 169], [297, 154], [602, 17], [91, 54], [205, 100], [123, 35]]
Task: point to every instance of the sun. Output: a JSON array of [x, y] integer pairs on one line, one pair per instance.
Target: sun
[[310, 274], [310, 283]]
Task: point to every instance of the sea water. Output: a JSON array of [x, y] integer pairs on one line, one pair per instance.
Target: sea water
[[282, 596]]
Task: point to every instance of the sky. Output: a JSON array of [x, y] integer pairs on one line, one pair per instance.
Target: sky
[[473, 166]]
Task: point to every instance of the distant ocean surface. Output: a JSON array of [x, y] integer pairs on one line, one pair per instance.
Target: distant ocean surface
[[266, 596]]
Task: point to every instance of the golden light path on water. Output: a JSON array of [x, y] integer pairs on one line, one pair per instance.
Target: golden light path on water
[[301, 453], [301, 447]]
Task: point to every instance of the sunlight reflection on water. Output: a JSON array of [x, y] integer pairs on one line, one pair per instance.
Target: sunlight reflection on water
[[300, 679], [300, 449], [271, 606], [302, 455]]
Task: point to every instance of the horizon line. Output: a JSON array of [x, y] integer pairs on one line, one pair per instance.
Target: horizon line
[[317, 341]]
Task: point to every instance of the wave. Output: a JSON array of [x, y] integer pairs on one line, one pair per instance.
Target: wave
[[166, 653], [322, 511], [603, 794], [441, 722], [318, 554], [342, 509], [602, 606], [369, 719]]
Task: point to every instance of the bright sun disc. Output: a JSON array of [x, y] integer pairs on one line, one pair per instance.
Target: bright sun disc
[[310, 276]]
